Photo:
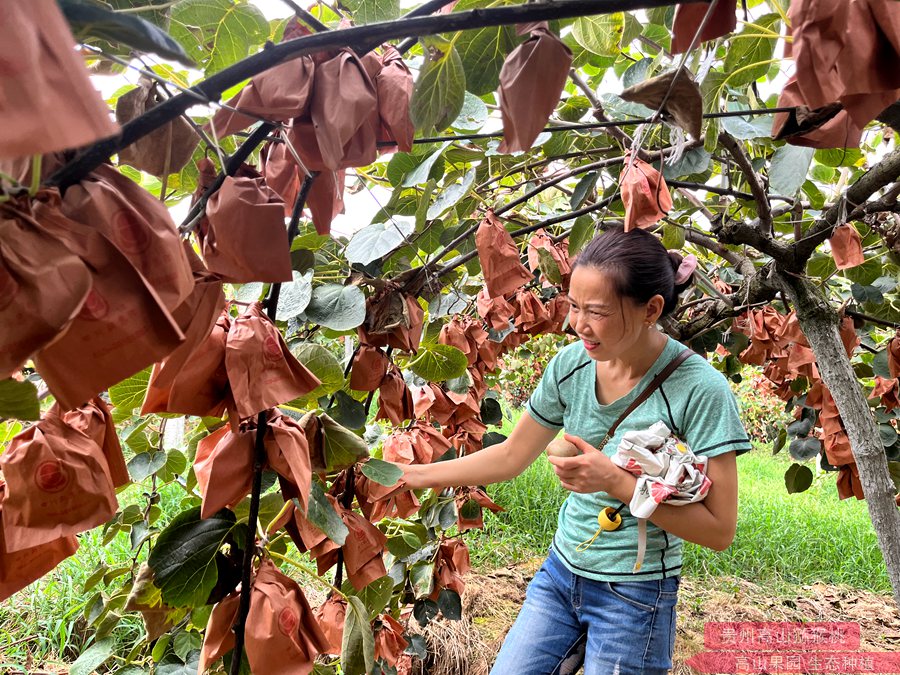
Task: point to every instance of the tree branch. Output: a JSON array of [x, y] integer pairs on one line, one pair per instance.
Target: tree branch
[[757, 188], [361, 39]]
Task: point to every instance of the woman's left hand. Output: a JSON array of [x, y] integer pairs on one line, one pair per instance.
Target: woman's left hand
[[591, 471]]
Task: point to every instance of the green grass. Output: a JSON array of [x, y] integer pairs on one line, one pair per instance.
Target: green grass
[[46, 621], [781, 539]]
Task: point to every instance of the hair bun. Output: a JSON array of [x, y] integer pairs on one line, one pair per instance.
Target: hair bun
[[684, 267]]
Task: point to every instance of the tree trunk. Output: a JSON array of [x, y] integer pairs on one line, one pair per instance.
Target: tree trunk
[[819, 322]]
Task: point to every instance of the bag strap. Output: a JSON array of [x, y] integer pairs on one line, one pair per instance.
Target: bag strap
[[653, 385]]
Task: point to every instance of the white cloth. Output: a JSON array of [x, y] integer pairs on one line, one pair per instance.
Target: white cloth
[[667, 471]]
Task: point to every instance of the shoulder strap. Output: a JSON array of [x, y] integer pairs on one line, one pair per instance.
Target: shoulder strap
[[652, 386]]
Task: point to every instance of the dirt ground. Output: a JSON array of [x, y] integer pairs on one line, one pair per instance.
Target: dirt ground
[[491, 601]]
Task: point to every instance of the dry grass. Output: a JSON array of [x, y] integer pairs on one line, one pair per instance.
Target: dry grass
[[491, 601]]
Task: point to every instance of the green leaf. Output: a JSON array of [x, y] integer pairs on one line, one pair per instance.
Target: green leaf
[[880, 364], [383, 473], [867, 273], [19, 400], [574, 108], [780, 440], [372, 11], [337, 307], [673, 236], [343, 448], [347, 411], [436, 363], [756, 48], [93, 20], [358, 643], [440, 90], [322, 514], [836, 157], [798, 478], [93, 657], [184, 558], [450, 604], [269, 506], [323, 364], [581, 233], [419, 171], [548, 266], [421, 577], [425, 610], [145, 464], [176, 463], [451, 195], [601, 34], [583, 188], [129, 393], [186, 642], [294, 297], [695, 160], [8, 431], [378, 239], [218, 33], [375, 596], [491, 412], [172, 665], [474, 113], [800, 427], [745, 130], [482, 51], [804, 449], [788, 169]]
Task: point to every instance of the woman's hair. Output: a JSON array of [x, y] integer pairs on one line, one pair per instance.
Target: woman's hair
[[637, 264]]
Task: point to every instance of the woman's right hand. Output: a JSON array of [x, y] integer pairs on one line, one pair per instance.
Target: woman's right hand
[[414, 476]]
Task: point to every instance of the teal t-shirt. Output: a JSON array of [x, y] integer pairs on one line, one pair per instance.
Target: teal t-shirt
[[695, 402]]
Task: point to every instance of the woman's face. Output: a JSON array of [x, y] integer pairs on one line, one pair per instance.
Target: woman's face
[[609, 325]]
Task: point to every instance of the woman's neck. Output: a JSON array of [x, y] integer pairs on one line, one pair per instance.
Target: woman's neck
[[632, 365]]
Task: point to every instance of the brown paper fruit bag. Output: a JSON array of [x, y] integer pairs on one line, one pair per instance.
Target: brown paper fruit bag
[[261, 370], [20, 568], [200, 385], [499, 256], [224, 468], [164, 151], [94, 420], [278, 94], [219, 638], [282, 634], [394, 87], [531, 82], [644, 194], [43, 285], [287, 451], [47, 101], [57, 484], [122, 328], [197, 317], [247, 238], [137, 224]]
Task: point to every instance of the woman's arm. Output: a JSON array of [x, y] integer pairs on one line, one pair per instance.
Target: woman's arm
[[494, 464], [709, 523]]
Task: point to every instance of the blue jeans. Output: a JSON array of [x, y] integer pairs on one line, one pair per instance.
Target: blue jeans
[[613, 628]]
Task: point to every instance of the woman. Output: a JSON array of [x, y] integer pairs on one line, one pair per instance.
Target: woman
[[586, 603]]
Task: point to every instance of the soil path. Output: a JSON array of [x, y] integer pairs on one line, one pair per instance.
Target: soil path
[[491, 601]]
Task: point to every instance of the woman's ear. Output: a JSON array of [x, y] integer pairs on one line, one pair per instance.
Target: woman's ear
[[654, 309]]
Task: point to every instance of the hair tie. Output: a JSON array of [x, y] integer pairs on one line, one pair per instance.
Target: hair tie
[[685, 268]]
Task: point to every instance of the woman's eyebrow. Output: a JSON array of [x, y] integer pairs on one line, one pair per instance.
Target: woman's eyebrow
[[599, 305]]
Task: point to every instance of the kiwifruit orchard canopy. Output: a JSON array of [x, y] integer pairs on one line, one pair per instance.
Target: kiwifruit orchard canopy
[[299, 366]]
